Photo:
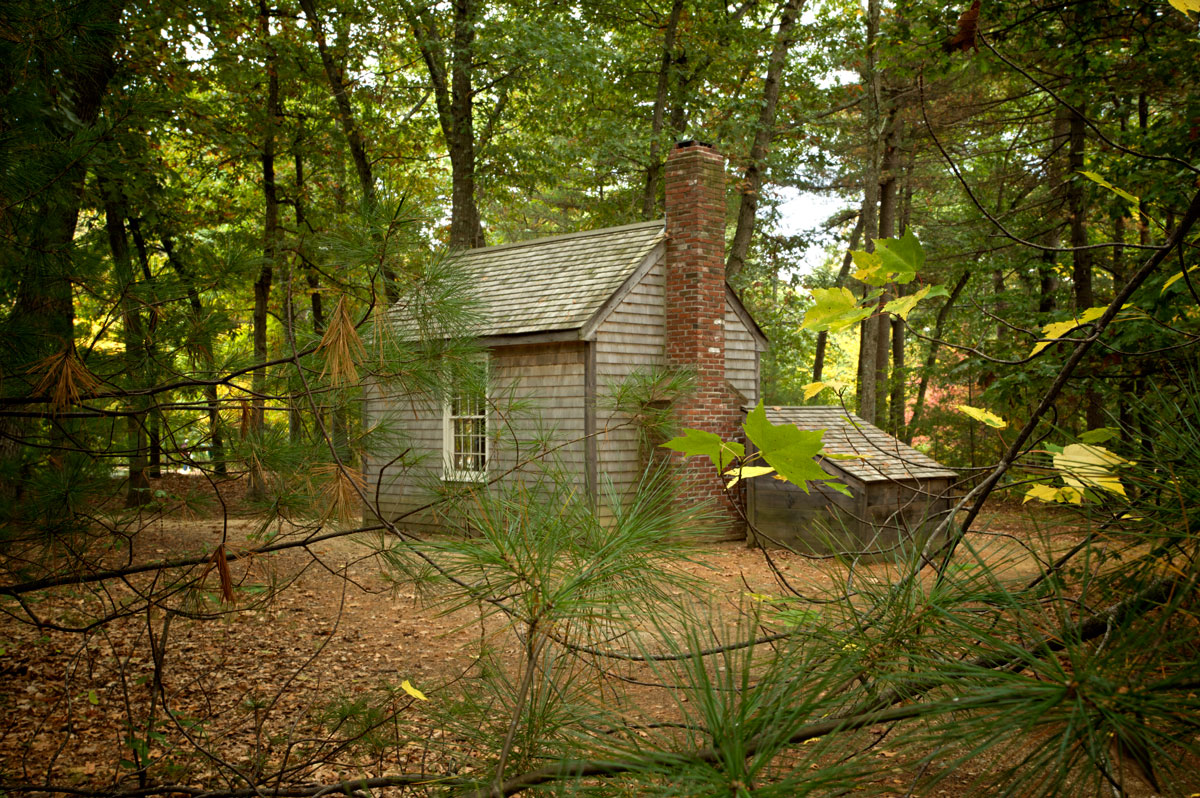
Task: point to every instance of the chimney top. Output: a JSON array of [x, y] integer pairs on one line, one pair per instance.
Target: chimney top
[[684, 144]]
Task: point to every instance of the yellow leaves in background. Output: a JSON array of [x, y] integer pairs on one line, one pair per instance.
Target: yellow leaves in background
[[1177, 277], [814, 388], [1058, 329], [1120, 192], [407, 687], [1049, 493], [986, 416]]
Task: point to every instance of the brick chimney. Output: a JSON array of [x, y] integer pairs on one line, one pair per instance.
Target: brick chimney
[[695, 314]]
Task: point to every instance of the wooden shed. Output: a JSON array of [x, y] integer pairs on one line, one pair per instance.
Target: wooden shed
[[563, 320], [897, 495]]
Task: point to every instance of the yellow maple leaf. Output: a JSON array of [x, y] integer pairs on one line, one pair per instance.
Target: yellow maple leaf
[[746, 472], [1088, 466], [986, 416], [1058, 329]]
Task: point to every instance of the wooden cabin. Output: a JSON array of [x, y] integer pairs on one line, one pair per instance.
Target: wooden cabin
[[897, 493], [565, 319]]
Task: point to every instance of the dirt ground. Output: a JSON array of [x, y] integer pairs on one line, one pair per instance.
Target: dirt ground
[[72, 705]]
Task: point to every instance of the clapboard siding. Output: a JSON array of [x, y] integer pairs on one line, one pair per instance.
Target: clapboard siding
[[543, 385], [410, 424], [631, 338], [741, 358], [538, 393]]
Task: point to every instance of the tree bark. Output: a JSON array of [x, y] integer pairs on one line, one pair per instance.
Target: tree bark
[[42, 316], [262, 286], [889, 195], [1081, 269], [450, 76], [764, 131], [154, 418], [134, 339], [869, 335], [661, 94]]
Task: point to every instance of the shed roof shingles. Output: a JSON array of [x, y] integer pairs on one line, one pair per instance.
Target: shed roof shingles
[[885, 457], [554, 283]]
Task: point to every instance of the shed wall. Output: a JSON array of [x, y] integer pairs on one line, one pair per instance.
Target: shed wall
[[741, 358], [631, 338], [538, 393]]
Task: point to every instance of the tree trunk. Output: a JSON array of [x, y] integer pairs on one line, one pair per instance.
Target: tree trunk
[[450, 76], [154, 414], [654, 168], [823, 336], [262, 286], [216, 438], [134, 339], [42, 316], [764, 131], [1081, 269], [869, 336], [335, 75], [888, 199], [896, 401], [931, 357]]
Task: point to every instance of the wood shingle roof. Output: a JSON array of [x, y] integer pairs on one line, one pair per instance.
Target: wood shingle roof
[[556, 283], [884, 458]]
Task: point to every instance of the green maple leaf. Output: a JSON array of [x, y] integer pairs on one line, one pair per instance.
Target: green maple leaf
[[792, 451], [834, 309], [698, 442], [902, 257]]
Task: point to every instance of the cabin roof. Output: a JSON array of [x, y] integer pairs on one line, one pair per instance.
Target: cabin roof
[[885, 458], [555, 283]]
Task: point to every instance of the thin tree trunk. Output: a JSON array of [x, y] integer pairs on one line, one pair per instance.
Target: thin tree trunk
[[661, 93], [889, 195], [823, 336], [869, 336], [262, 286], [764, 131], [134, 339], [1081, 271], [896, 401], [453, 95], [335, 75], [931, 358], [154, 415], [216, 444]]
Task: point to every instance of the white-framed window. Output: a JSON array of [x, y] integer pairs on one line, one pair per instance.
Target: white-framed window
[[466, 447]]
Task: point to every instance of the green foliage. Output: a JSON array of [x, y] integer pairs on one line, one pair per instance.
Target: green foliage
[[789, 452]]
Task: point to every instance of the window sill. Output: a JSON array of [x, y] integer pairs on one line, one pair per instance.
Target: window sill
[[465, 476]]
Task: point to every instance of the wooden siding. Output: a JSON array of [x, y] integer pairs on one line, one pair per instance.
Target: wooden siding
[[538, 393], [741, 359], [632, 337], [879, 518]]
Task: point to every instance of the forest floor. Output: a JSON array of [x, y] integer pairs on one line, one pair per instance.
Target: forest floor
[[262, 686]]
